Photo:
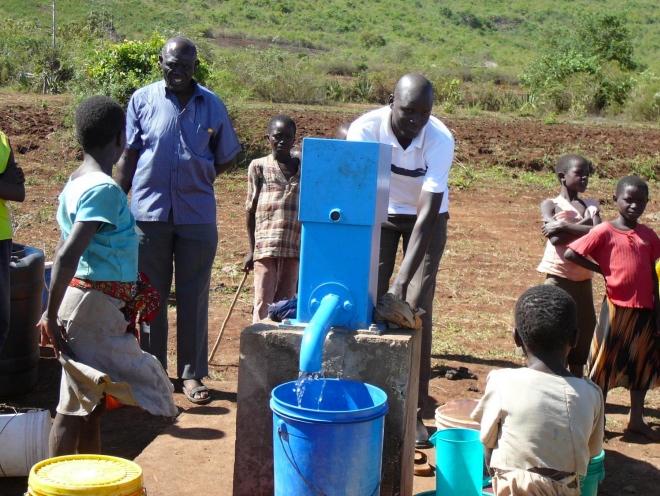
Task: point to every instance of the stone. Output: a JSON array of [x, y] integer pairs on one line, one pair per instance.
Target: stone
[[269, 356]]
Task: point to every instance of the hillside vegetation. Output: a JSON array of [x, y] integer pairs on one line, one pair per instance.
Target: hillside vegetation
[[420, 32], [570, 56]]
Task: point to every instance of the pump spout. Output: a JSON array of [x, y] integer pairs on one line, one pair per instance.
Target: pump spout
[[311, 349]]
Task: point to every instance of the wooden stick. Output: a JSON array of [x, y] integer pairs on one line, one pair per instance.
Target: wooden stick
[[222, 329]]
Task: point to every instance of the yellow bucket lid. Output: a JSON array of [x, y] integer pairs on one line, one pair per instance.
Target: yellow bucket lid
[[76, 475]]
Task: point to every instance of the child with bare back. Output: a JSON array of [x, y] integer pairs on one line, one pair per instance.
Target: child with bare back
[[566, 218], [540, 424], [272, 219], [625, 350]]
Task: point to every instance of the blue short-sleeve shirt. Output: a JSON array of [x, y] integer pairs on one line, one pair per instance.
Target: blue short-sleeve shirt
[[112, 253], [178, 152]]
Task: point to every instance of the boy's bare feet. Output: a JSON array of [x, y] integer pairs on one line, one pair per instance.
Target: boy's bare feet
[[641, 427]]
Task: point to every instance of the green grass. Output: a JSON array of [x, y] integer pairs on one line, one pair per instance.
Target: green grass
[[425, 34]]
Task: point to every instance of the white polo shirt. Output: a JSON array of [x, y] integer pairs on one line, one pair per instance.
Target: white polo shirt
[[424, 165]]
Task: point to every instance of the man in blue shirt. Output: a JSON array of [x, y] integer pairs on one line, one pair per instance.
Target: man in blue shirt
[[179, 138]]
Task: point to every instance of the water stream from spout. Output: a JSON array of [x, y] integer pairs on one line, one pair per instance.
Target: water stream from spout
[[304, 387]]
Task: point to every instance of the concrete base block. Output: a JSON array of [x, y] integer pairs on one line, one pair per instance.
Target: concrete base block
[[269, 356]]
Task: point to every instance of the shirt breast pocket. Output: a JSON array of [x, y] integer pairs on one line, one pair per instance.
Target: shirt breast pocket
[[199, 139]]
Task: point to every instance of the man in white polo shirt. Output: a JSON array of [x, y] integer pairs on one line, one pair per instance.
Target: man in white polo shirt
[[422, 154]]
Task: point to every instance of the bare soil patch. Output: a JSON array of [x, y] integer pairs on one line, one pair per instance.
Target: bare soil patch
[[493, 249]]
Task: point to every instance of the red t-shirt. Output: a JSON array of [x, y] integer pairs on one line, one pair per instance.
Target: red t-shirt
[[627, 260]]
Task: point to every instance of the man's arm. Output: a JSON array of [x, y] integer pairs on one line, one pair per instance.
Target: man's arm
[[428, 207], [220, 168], [126, 169]]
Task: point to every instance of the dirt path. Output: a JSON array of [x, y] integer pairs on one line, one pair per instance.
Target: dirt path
[[493, 248]]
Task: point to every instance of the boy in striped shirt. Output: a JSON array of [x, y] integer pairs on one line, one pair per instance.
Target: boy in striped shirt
[[272, 219]]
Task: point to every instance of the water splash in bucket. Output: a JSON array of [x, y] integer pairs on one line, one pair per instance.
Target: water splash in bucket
[[306, 379]]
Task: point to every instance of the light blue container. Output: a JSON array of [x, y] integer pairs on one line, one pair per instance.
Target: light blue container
[[595, 474], [336, 449], [459, 457]]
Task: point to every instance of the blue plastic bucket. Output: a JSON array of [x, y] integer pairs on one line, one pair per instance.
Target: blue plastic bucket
[[459, 458], [595, 474], [335, 449]]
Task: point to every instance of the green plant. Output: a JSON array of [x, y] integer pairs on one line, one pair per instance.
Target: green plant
[[370, 39], [530, 105], [447, 91], [362, 89], [460, 176], [586, 66], [120, 69], [550, 119], [647, 169], [276, 75], [334, 91], [644, 101]]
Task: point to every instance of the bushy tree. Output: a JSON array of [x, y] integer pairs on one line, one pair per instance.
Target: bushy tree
[[28, 59], [119, 69], [596, 51], [275, 75]]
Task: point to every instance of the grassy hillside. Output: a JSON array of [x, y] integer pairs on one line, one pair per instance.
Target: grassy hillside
[[378, 33]]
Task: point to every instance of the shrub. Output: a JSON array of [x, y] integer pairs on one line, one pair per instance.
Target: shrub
[[576, 93], [398, 52], [446, 91], [490, 97], [644, 101], [28, 58], [383, 83], [334, 91], [278, 76], [226, 85], [118, 70], [362, 90], [338, 68], [586, 66], [369, 39]]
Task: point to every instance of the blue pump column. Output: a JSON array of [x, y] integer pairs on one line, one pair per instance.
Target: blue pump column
[[311, 348], [344, 193]]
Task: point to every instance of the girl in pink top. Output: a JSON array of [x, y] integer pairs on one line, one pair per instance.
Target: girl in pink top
[[626, 349], [566, 218]]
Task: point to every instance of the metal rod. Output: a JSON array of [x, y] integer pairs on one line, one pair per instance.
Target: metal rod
[[54, 25]]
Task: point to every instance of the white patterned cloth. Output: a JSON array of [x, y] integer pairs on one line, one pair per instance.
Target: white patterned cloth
[[108, 359]]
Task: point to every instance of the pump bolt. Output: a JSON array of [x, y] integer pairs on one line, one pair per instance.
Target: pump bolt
[[348, 306], [314, 303]]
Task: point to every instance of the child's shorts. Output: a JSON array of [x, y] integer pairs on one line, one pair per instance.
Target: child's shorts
[[525, 483]]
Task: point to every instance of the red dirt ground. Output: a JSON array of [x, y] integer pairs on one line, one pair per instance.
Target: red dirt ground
[[493, 248]]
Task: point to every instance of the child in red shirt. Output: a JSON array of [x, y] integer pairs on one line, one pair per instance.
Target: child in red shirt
[[625, 350]]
